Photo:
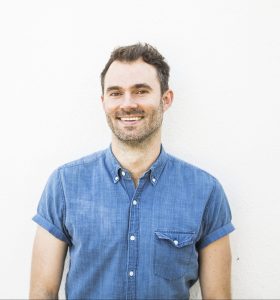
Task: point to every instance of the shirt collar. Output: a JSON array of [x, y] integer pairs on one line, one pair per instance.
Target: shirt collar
[[154, 171]]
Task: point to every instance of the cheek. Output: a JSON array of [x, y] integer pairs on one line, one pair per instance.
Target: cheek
[[108, 109]]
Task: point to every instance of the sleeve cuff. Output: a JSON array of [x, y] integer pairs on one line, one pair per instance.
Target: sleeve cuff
[[215, 235], [51, 228]]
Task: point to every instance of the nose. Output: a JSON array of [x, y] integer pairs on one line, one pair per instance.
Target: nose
[[128, 101]]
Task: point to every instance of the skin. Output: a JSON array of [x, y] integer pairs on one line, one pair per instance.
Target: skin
[[131, 89], [215, 270], [47, 265]]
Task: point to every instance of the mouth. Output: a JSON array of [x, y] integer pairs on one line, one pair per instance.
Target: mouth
[[130, 120]]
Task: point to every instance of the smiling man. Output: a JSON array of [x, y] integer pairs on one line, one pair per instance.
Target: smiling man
[[138, 222]]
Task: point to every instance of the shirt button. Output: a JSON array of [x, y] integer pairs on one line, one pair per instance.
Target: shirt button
[[131, 273], [117, 178], [123, 173], [134, 202], [175, 242], [154, 180], [132, 237]]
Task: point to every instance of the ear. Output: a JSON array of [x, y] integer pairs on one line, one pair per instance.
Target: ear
[[102, 101], [167, 99]]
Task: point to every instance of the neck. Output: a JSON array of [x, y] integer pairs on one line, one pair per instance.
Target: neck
[[137, 159]]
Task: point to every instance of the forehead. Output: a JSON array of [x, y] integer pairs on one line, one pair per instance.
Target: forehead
[[126, 74]]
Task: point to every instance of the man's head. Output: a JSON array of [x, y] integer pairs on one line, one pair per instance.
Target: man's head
[[134, 96], [148, 54]]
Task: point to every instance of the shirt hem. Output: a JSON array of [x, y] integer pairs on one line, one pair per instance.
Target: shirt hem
[[50, 228], [217, 234]]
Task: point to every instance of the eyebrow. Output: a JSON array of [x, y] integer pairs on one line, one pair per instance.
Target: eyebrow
[[135, 86], [112, 88], [142, 85]]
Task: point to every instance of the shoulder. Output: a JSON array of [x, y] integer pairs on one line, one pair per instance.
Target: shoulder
[[190, 172], [89, 160]]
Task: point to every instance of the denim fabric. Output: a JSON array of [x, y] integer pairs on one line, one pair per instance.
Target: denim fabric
[[128, 243]]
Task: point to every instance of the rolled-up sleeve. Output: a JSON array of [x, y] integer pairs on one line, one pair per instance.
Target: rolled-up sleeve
[[51, 208], [217, 219]]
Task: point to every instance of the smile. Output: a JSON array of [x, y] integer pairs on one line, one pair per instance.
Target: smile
[[131, 119]]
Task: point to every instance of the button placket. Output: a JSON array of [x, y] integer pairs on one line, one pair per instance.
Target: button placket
[[133, 241]]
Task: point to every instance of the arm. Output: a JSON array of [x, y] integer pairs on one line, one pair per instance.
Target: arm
[[215, 270], [47, 265]]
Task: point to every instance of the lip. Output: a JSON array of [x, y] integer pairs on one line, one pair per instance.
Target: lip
[[130, 122]]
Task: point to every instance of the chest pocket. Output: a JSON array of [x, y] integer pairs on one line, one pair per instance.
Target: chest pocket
[[173, 251]]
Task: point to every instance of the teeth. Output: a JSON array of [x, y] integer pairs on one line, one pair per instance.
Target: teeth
[[131, 119]]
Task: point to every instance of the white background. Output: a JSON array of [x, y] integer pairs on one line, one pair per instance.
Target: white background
[[225, 71]]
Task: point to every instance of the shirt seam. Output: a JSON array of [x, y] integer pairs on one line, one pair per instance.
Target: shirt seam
[[203, 217], [83, 162], [64, 203], [208, 201]]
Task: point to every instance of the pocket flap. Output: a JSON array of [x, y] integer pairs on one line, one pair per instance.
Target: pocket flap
[[177, 238]]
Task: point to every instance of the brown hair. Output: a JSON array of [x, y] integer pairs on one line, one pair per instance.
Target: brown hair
[[149, 54]]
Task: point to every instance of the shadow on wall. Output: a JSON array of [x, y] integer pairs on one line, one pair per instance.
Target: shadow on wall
[[195, 292]]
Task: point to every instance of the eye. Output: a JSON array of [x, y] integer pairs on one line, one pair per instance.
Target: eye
[[141, 92], [114, 94]]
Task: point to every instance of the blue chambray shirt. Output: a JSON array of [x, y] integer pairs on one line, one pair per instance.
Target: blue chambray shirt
[[128, 243]]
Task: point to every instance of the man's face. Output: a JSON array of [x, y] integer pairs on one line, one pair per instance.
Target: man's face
[[132, 101]]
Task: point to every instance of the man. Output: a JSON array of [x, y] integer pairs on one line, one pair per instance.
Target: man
[[138, 222]]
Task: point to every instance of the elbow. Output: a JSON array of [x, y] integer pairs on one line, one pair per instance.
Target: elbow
[[42, 294]]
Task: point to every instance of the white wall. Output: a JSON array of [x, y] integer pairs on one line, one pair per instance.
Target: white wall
[[225, 71]]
